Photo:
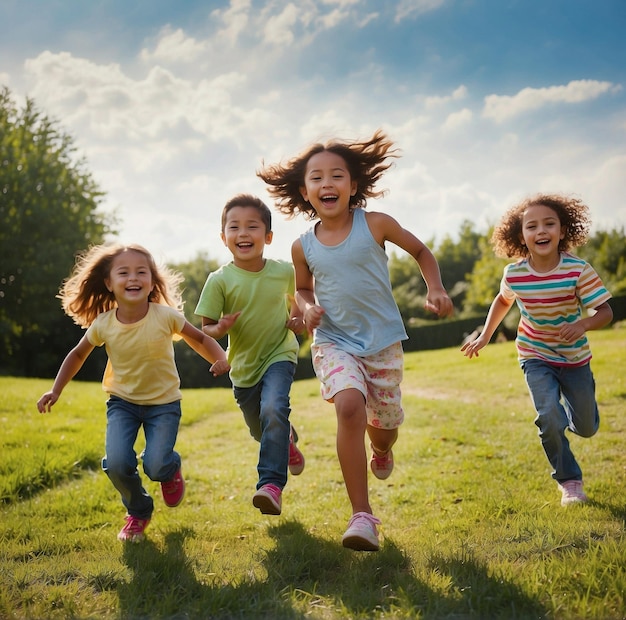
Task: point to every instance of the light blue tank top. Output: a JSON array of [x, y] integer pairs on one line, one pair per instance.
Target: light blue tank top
[[352, 285]]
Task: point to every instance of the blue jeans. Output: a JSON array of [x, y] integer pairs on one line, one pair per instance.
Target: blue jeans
[[564, 398], [160, 461], [266, 408]]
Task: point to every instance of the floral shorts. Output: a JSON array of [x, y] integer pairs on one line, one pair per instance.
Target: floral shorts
[[376, 376]]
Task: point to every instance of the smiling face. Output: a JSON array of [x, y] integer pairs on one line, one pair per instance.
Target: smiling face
[[246, 236], [327, 184], [130, 278], [541, 233]]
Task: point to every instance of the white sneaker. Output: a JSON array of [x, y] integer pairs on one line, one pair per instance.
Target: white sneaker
[[572, 492], [362, 534]]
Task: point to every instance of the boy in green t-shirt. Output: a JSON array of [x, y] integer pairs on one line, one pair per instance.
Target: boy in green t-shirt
[[251, 300]]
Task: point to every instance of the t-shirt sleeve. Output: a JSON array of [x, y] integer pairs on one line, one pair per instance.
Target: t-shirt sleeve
[[211, 302], [505, 290], [590, 289]]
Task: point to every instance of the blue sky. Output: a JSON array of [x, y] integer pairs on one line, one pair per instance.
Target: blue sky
[[175, 104]]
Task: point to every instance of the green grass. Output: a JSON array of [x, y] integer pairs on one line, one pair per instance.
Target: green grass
[[472, 526]]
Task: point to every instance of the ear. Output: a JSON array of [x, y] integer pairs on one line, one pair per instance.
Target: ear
[[562, 235], [223, 237], [353, 188], [268, 237], [107, 283], [304, 193]]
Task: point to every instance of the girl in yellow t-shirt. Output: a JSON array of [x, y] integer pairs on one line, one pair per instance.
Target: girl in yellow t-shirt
[[133, 308]]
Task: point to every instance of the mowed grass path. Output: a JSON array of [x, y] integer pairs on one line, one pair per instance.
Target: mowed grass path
[[472, 525]]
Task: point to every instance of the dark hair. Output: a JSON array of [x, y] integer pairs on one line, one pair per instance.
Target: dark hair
[[366, 162], [573, 215], [248, 200]]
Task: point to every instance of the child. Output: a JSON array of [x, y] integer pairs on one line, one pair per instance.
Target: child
[[344, 291], [248, 299], [551, 288], [132, 307]]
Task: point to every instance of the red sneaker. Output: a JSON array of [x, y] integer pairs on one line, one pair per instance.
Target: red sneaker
[[381, 466], [133, 530], [268, 499], [296, 458], [174, 490]]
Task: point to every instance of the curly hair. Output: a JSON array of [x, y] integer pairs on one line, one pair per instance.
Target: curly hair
[[573, 215], [366, 162], [84, 294]]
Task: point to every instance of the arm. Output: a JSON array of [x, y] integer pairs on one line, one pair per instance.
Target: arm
[[385, 228], [218, 329], [498, 310], [295, 322], [602, 316], [206, 347], [305, 295], [72, 363]]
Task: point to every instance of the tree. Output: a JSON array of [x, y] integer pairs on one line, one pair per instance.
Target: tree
[[49, 211]]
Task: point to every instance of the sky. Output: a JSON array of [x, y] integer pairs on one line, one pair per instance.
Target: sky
[[175, 104]]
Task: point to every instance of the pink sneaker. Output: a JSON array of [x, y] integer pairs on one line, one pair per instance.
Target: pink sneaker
[[268, 499], [381, 466], [133, 530], [174, 490], [296, 458], [572, 492], [362, 534]]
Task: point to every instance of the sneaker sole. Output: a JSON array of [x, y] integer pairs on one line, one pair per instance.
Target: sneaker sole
[[357, 543], [265, 505]]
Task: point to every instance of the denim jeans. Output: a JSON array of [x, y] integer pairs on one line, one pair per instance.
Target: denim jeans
[[160, 461], [564, 398], [266, 408]]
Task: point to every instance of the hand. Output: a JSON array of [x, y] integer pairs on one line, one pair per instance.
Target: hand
[[295, 324], [313, 317], [471, 349], [219, 368], [572, 331], [227, 321], [439, 303], [44, 404]]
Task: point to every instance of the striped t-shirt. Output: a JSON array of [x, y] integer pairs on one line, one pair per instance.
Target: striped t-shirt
[[549, 300]]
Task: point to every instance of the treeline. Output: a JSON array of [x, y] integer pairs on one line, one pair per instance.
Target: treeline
[[50, 210]]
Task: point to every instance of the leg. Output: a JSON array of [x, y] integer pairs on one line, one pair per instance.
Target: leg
[[552, 420], [120, 461], [579, 397], [161, 422], [351, 426], [249, 401]]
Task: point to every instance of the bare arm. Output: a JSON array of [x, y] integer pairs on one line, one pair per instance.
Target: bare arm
[[600, 318], [72, 363], [206, 347], [305, 295], [385, 228], [498, 310], [218, 329]]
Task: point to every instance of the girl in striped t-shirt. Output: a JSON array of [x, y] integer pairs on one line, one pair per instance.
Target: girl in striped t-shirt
[[551, 288]]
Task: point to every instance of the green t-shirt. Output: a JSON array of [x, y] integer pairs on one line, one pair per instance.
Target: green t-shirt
[[259, 337]]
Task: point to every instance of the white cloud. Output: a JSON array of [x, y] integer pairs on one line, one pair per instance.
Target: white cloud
[[502, 107], [278, 29], [174, 47], [458, 119], [415, 8], [436, 102]]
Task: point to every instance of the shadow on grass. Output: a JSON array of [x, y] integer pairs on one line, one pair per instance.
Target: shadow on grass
[[383, 583], [308, 576]]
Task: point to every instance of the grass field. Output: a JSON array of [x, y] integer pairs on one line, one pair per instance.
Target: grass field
[[472, 524]]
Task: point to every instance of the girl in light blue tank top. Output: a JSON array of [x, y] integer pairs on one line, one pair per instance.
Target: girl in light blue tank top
[[344, 292]]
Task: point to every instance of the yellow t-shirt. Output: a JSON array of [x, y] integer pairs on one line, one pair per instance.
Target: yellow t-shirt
[[141, 367]]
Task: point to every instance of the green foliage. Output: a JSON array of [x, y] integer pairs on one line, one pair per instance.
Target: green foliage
[[472, 526], [606, 251], [49, 210]]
